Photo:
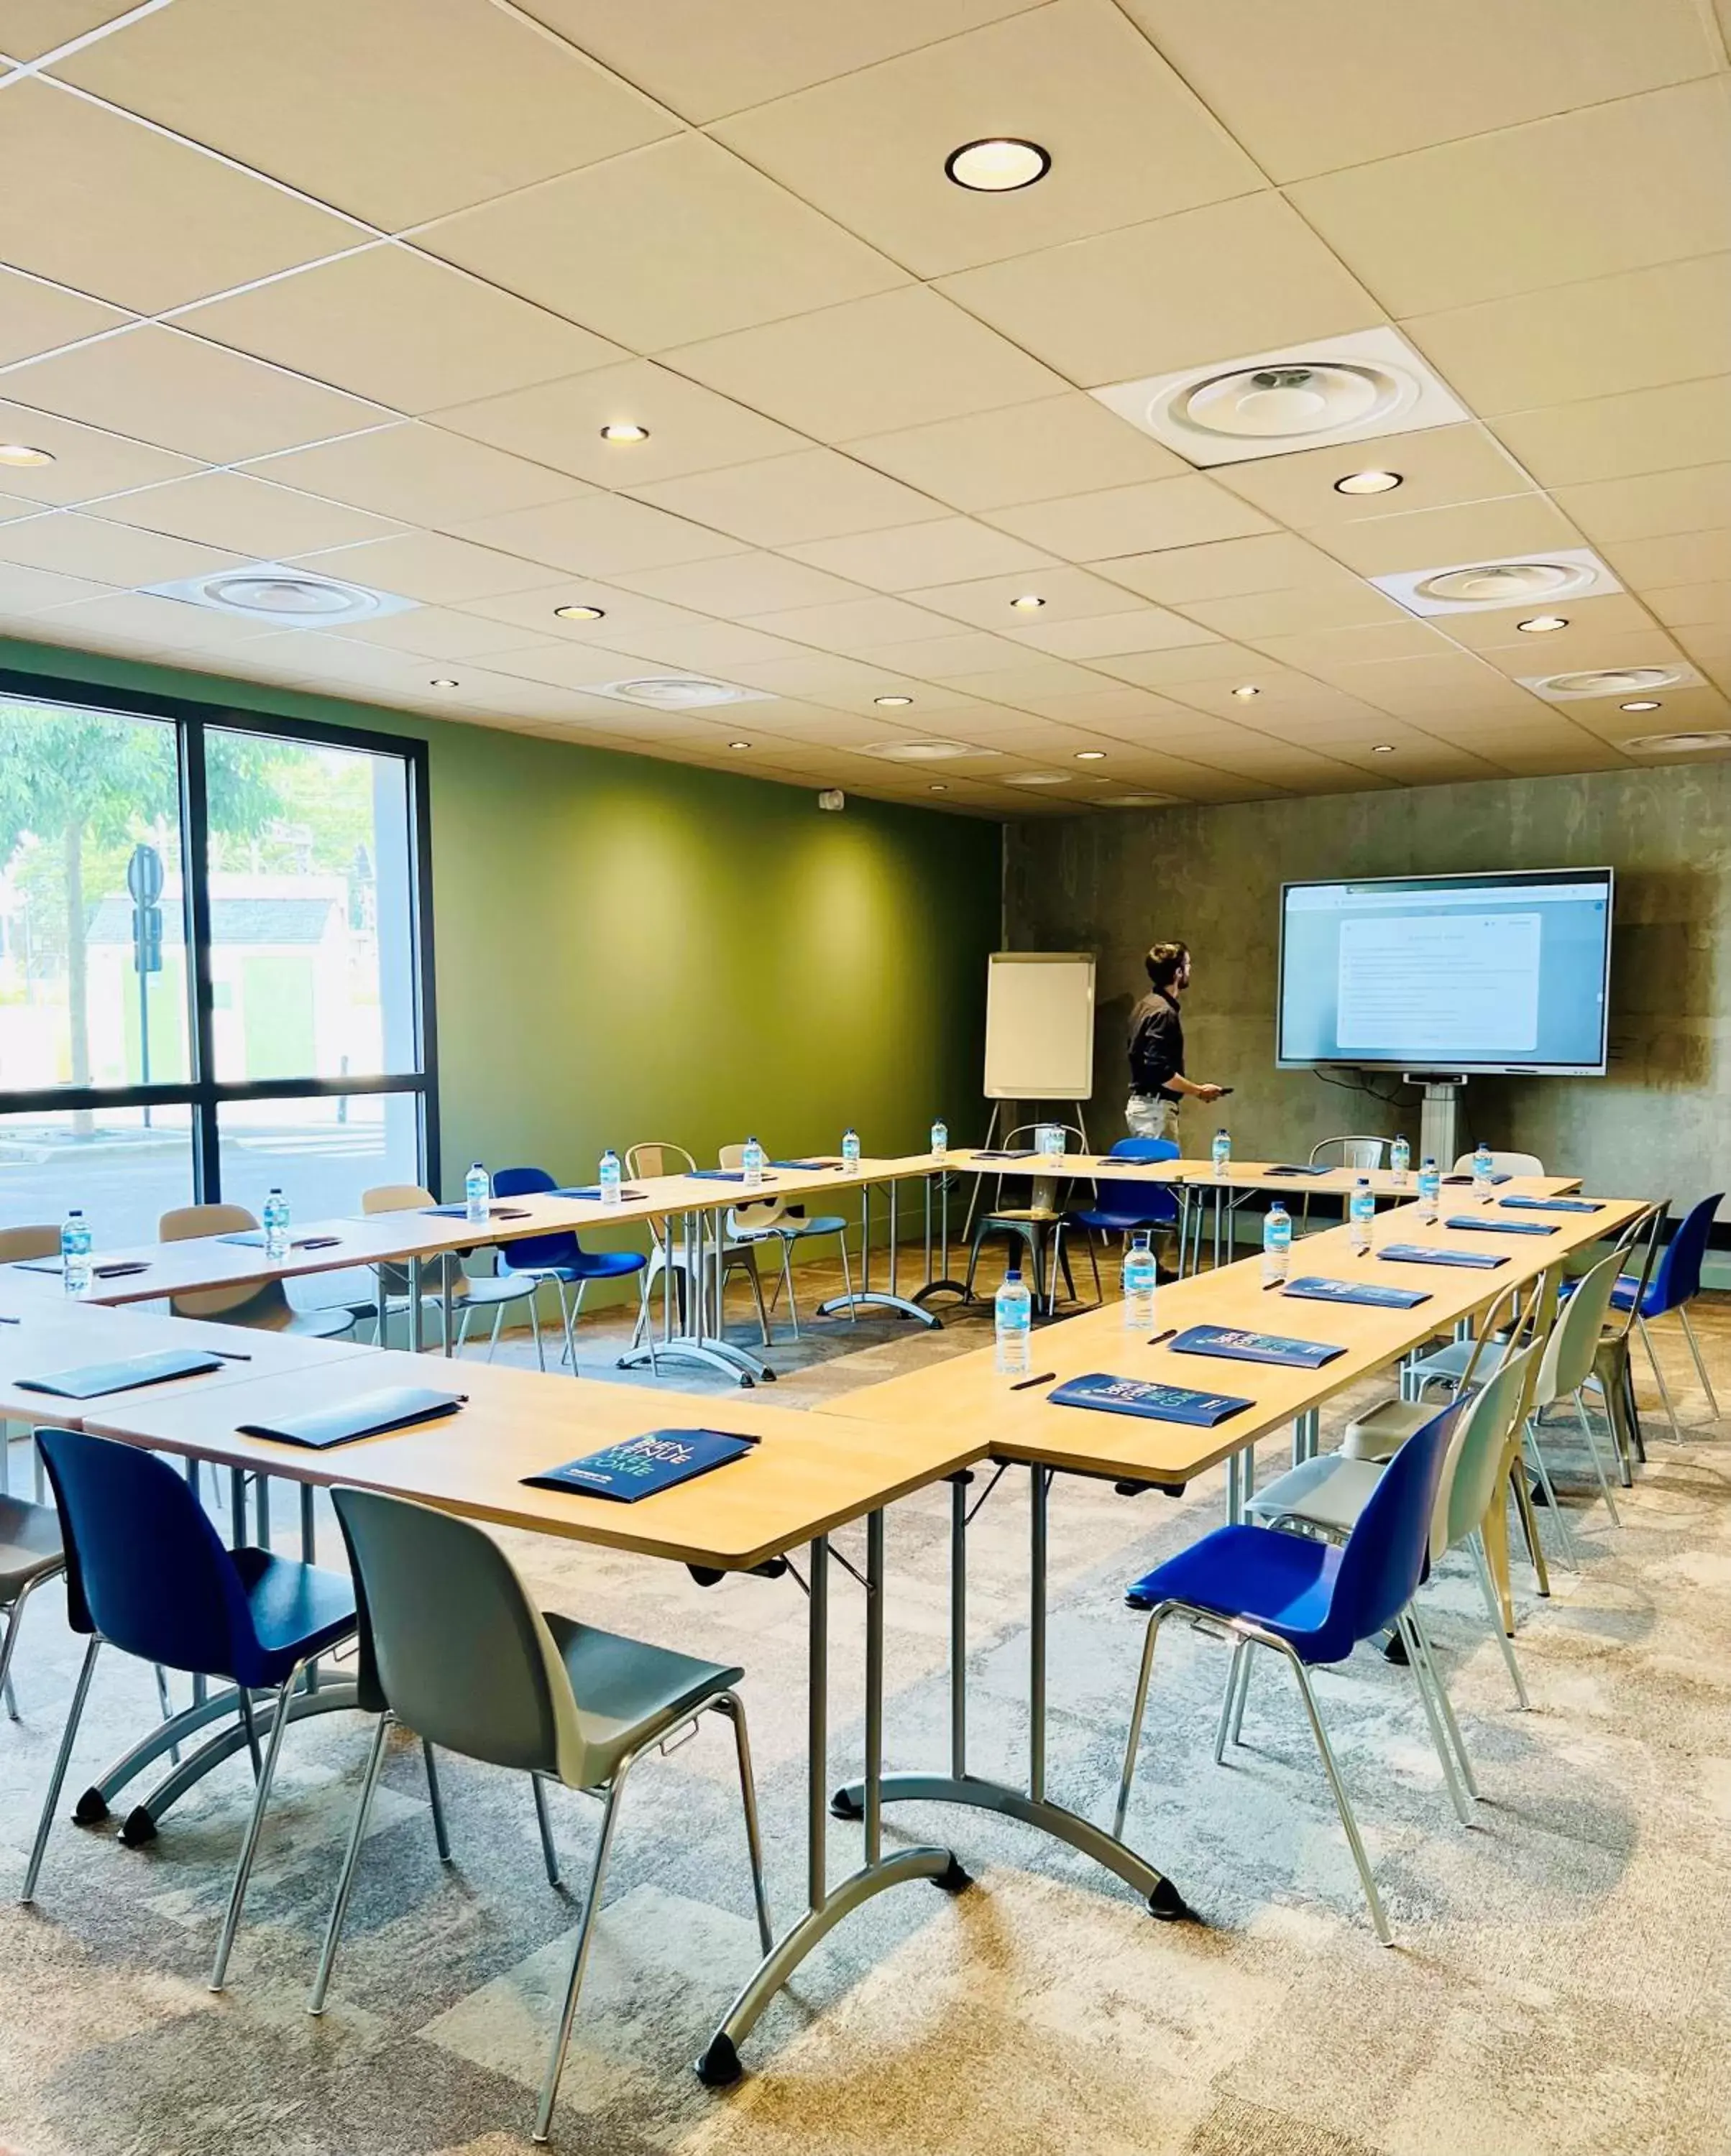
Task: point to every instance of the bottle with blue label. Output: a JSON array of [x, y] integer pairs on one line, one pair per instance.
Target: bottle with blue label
[[1222, 1152], [750, 1162], [850, 1151], [940, 1140], [1361, 1213], [276, 1223], [75, 1252], [1400, 1162], [1140, 1277], [610, 1177], [1276, 1244], [1484, 1167], [1430, 1191], [1049, 1141], [477, 1189], [1012, 1326]]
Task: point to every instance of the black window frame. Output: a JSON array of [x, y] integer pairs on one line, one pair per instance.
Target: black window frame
[[204, 1094]]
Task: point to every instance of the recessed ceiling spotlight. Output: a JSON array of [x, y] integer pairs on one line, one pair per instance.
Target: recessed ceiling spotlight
[[1244, 692], [937, 786], [1382, 748], [625, 430], [894, 702], [739, 744], [1641, 704], [996, 165], [1029, 602], [1368, 482], [1090, 756], [444, 681], [23, 453], [580, 613], [1542, 624]]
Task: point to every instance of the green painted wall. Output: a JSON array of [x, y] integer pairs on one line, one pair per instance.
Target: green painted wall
[[629, 949]]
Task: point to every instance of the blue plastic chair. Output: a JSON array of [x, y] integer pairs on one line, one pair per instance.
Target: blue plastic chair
[[147, 1573], [1673, 1284], [1311, 1602], [560, 1258], [1121, 1208]]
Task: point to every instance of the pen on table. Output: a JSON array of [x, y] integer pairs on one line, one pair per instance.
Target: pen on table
[[1022, 1384], [1157, 1338], [230, 1354]]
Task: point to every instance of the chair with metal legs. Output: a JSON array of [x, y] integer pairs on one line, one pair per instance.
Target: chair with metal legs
[[659, 1157], [458, 1652], [262, 1305], [1121, 1208], [1674, 1284], [773, 1220], [1038, 1224], [1311, 1602], [31, 1554], [146, 1572], [465, 1292], [561, 1259], [1564, 1372]]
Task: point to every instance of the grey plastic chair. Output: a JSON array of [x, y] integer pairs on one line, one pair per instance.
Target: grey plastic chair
[[262, 1305], [40, 1240], [773, 1219], [469, 1292], [30, 1552], [454, 1648]]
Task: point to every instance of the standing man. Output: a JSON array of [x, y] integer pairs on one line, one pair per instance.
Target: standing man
[[1158, 1082]]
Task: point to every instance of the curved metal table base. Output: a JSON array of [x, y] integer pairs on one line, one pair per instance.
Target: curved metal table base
[[720, 1355], [1163, 1898], [875, 1296]]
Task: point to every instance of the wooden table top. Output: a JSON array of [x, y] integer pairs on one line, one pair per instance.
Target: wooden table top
[[967, 1396], [808, 1475], [1241, 1175]]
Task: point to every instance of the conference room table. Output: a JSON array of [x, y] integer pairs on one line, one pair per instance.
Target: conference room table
[[1015, 1424]]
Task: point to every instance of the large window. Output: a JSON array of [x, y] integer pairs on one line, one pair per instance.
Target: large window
[[214, 972]]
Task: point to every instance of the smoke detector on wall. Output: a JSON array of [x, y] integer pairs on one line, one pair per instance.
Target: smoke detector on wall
[[287, 598], [1271, 403], [1611, 682], [1508, 580], [676, 692]]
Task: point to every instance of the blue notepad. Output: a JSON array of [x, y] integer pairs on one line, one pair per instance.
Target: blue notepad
[[1501, 1176], [591, 1191], [368, 1415], [1142, 1396], [91, 1381], [808, 1164], [1482, 1227], [1430, 1254], [1021, 1152], [1319, 1168], [1315, 1289], [1231, 1345], [640, 1467], [721, 1174], [1554, 1204]]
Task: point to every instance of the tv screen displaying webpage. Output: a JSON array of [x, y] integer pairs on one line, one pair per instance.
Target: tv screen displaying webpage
[[1447, 974]]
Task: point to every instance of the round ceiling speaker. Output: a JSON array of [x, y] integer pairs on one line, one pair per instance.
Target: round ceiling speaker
[[676, 692], [1613, 681], [302, 597], [1677, 744], [925, 751], [1316, 398], [1504, 583]]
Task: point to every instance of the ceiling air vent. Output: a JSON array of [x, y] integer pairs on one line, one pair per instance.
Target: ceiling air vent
[[1612, 681], [676, 692], [925, 751], [1510, 580], [1269, 403], [1677, 744], [287, 598]]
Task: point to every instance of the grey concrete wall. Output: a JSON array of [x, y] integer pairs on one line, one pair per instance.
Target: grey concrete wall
[[1660, 1123]]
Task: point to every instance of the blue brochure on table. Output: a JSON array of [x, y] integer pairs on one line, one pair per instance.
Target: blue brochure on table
[[1314, 1288], [1020, 1152], [90, 1381], [1430, 1254], [1483, 1227], [640, 1466], [591, 1191], [460, 1212], [1233, 1346], [721, 1174], [1501, 1176], [1141, 1396], [810, 1166], [1313, 1167], [368, 1415], [1554, 1204]]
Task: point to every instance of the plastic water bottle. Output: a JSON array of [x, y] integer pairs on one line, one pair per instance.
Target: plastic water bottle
[[1484, 1167], [940, 1140], [1276, 1244], [75, 1252], [1140, 1277], [276, 1223], [1222, 1152], [1012, 1326], [850, 1151], [1049, 1141], [1430, 1191], [1400, 1162], [1361, 1213], [609, 1178], [477, 1189], [751, 1160]]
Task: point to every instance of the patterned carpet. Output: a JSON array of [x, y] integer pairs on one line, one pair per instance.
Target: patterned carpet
[[1561, 1985]]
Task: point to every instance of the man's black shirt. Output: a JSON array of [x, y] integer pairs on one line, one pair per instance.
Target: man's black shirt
[[1156, 1045]]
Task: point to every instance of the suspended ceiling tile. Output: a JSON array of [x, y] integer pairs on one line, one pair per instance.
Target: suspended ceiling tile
[[434, 632], [35, 317], [622, 612], [1253, 615], [783, 500], [1311, 91], [1612, 613], [1070, 594], [1033, 675], [1024, 452], [857, 627], [1589, 648], [1326, 651], [1611, 437], [1275, 562], [1640, 329], [1436, 538], [743, 583], [12, 508], [73, 545], [1118, 709], [1680, 711], [396, 111], [1453, 681], [1151, 299], [559, 423], [851, 684], [1653, 504], [137, 218], [1693, 606], [943, 658], [1439, 468], [422, 474], [1139, 629], [714, 647], [1133, 520], [135, 622], [249, 516], [891, 362], [31, 27], [679, 241], [603, 534], [946, 550], [704, 61], [389, 324], [1285, 699], [425, 566], [1608, 188], [181, 393], [1171, 670], [25, 593], [567, 666], [87, 462], [1684, 557], [1127, 139]]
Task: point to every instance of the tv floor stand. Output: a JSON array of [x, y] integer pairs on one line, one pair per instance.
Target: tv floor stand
[[1439, 1121]]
